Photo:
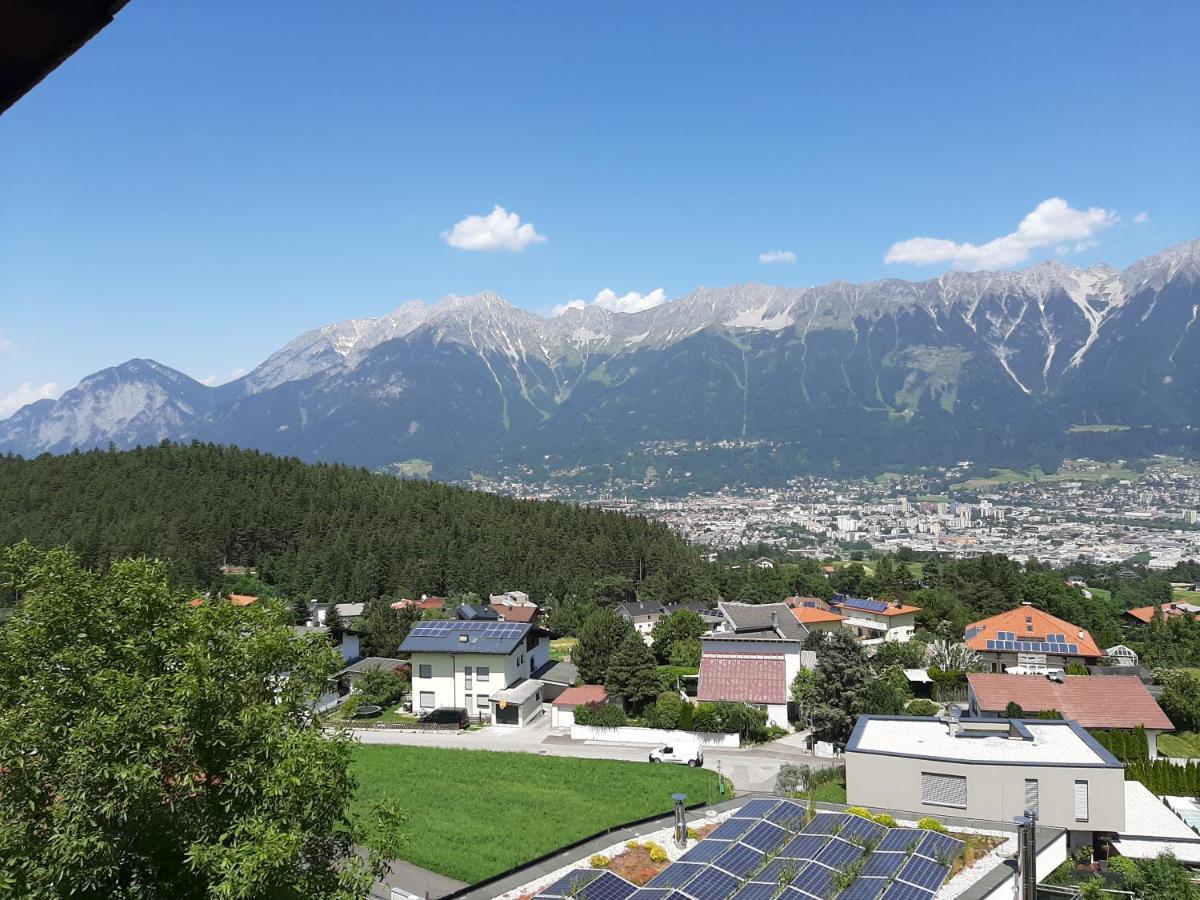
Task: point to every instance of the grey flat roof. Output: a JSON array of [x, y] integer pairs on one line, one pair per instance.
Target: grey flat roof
[[558, 672]]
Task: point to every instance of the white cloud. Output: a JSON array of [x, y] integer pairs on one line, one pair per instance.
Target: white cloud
[[209, 380], [5, 342], [1142, 218], [498, 230], [626, 303], [26, 393], [1051, 223], [777, 256], [237, 373]]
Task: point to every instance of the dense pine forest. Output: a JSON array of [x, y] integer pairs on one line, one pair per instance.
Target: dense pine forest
[[330, 531]]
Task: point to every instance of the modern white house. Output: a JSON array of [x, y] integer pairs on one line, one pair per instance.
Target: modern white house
[[991, 769], [753, 657], [475, 665]]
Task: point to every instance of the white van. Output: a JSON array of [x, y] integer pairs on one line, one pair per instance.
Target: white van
[[680, 754]]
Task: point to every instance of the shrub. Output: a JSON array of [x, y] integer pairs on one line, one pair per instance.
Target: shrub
[[921, 708], [693, 834], [657, 852], [887, 821], [1049, 714], [704, 717], [685, 717], [792, 778], [1082, 854], [1127, 746], [1125, 867], [774, 732], [599, 861], [1076, 669], [665, 712], [858, 811], [604, 715], [381, 687], [632, 845], [1013, 710], [931, 824]]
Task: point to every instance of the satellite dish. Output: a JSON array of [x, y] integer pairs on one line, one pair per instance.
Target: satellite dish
[[954, 711]]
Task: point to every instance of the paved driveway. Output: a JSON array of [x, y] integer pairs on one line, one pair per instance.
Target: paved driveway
[[751, 768]]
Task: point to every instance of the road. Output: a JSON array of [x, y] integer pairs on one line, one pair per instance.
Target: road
[[750, 769]]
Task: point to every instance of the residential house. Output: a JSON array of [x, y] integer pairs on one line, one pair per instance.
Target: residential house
[[1145, 614], [562, 710], [816, 619], [1028, 641], [707, 612], [991, 769], [347, 643], [510, 598], [1094, 702], [477, 612], [556, 676], [644, 615], [753, 657], [425, 604], [763, 562], [478, 665], [504, 613], [877, 621], [346, 680]]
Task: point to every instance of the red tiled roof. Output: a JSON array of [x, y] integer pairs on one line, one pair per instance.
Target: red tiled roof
[[743, 677], [242, 599], [1169, 610], [808, 615], [582, 695], [515, 613], [1039, 625], [1118, 701]]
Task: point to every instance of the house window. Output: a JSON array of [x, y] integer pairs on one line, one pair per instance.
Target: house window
[[427, 700], [521, 659], [944, 790], [1031, 794], [481, 700], [425, 671], [1081, 801], [467, 677], [482, 673]]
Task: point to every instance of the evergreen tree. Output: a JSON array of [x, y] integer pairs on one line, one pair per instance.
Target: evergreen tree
[[842, 675], [333, 619], [632, 675], [599, 639], [681, 625]]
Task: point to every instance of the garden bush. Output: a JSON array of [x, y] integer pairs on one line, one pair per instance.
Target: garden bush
[[921, 708], [381, 687], [599, 861], [858, 811], [884, 819], [603, 715], [931, 824], [1127, 746]]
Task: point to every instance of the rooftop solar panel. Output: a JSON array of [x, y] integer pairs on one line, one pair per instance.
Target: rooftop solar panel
[[606, 887], [780, 869], [765, 836], [867, 603], [940, 846], [816, 881], [1073, 649], [757, 890], [705, 851], [756, 808], [566, 884], [790, 893], [991, 645], [787, 814], [902, 839], [863, 888], [739, 860], [825, 823], [860, 827], [731, 829], [650, 894], [924, 873], [838, 854], [676, 874], [884, 863], [804, 846], [711, 885], [901, 891]]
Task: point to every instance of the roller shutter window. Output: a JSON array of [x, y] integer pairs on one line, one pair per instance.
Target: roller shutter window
[[944, 790], [1081, 801], [1031, 794]]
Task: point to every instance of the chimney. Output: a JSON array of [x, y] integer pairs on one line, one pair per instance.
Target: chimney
[[775, 620]]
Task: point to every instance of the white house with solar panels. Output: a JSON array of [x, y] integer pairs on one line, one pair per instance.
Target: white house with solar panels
[[484, 667], [876, 621]]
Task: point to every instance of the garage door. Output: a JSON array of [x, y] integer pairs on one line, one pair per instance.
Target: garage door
[[508, 715]]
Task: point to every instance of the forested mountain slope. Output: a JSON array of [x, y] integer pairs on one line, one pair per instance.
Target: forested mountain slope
[[326, 531]]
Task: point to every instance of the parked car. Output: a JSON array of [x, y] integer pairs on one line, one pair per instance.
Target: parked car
[[446, 717], [680, 754]]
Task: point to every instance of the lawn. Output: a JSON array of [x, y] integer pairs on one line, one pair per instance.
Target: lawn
[[560, 648], [830, 792], [476, 813], [1184, 744]]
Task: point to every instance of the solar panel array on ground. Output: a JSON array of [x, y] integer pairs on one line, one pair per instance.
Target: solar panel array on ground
[[766, 852]]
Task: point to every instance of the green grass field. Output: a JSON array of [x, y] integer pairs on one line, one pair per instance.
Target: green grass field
[[475, 813], [560, 648], [1185, 744], [832, 792], [1189, 596]]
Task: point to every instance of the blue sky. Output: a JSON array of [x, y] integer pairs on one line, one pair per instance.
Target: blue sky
[[206, 180]]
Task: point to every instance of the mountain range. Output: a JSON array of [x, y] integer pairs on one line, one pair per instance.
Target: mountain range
[[743, 382]]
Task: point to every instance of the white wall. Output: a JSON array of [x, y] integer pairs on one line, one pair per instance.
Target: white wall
[[653, 736], [1048, 860]]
